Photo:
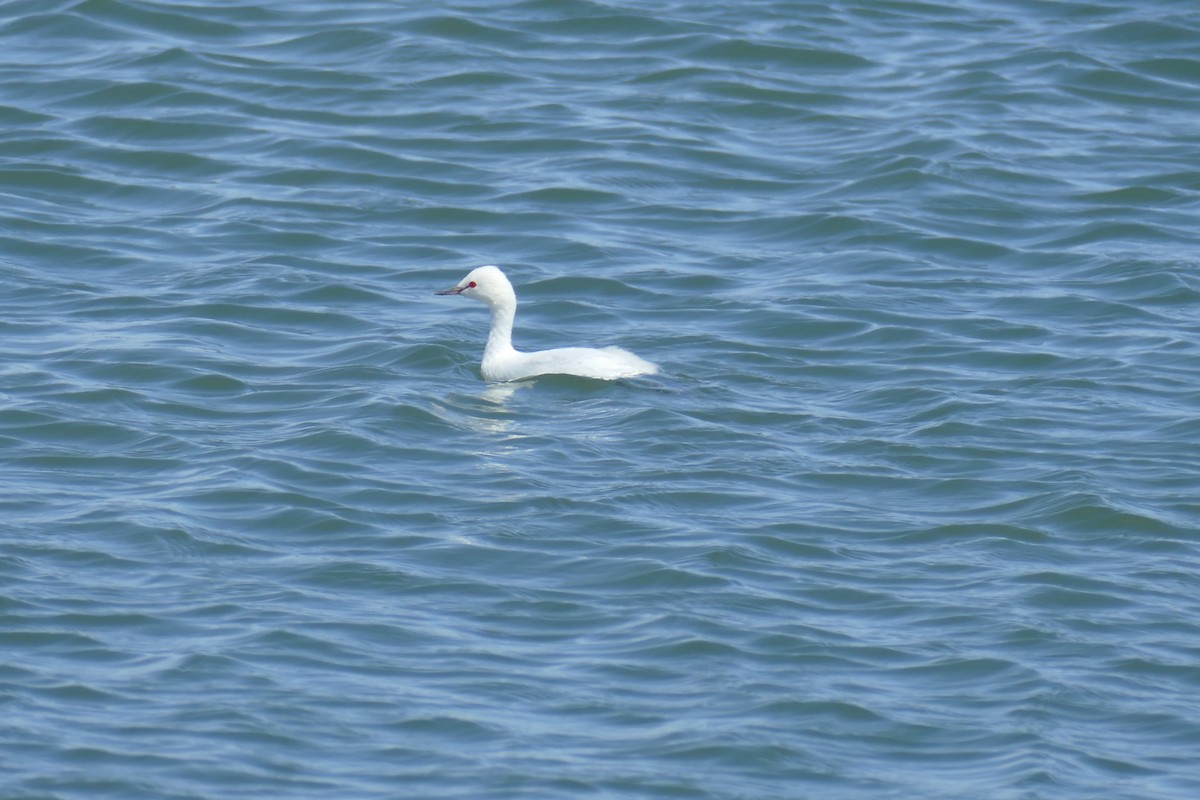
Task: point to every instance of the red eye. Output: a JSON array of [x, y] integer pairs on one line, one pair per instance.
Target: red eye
[[471, 285]]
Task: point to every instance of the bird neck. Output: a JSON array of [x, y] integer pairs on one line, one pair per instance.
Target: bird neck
[[500, 337]]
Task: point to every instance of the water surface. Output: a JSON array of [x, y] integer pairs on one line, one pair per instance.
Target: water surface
[[911, 510]]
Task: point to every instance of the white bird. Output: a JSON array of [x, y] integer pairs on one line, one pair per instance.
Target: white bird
[[502, 362]]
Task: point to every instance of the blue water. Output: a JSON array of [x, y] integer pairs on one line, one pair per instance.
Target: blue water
[[911, 511]]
